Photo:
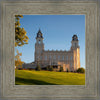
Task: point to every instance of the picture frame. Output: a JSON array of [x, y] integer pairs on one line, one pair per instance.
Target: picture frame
[[91, 90]]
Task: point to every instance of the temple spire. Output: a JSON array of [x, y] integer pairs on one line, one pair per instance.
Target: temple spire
[[74, 42], [39, 34], [39, 31]]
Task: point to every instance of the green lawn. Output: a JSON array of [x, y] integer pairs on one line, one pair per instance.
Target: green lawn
[[26, 77]]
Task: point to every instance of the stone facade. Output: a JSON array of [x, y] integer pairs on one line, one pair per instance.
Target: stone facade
[[67, 59]]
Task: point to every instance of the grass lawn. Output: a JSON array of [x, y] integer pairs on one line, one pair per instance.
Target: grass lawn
[[27, 77]]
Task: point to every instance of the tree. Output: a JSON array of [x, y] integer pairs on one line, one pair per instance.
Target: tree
[[61, 69], [51, 68], [20, 34], [47, 68], [18, 61], [67, 70], [81, 70], [38, 68]]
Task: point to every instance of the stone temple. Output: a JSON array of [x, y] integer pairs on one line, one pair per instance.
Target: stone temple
[[67, 59]]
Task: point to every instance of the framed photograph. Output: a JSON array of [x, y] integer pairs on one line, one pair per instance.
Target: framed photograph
[[50, 50], [35, 64]]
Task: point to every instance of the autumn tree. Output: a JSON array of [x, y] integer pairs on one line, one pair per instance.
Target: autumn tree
[[18, 61], [20, 34], [20, 39]]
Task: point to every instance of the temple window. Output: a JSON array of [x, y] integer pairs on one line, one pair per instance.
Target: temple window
[[45, 57], [54, 57], [58, 57], [71, 58], [67, 57], [63, 57]]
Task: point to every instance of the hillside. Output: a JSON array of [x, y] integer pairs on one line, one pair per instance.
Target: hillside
[[27, 77]]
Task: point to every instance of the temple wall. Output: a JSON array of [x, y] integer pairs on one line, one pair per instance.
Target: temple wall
[[76, 54], [26, 66]]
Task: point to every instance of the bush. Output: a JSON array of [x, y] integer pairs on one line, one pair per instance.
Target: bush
[[30, 68], [81, 70], [38, 68], [51, 68], [61, 69], [19, 68]]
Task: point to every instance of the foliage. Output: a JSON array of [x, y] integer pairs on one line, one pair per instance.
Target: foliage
[[20, 68], [61, 69], [30, 68], [38, 68], [81, 70], [27, 77], [51, 68], [18, 61], [67, 70], [20, 34], [47, 68]]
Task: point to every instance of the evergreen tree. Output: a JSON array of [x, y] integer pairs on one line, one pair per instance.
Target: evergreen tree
[[47, 68], [38, 68], [51, 68], [67, 70], [81, 70], [61, 69]]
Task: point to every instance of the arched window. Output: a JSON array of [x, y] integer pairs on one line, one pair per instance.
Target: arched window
[[71, 57], [58, 57], [45, 57], [75, 44], [40, 58], [67, 57], [49, 56], [39, 42], [63, 57], [54, 57], [71, 65], [37, 51]]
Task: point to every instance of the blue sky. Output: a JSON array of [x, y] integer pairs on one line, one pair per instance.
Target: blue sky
[[57, 32]]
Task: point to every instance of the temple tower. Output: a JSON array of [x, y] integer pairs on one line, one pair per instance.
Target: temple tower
[[39, 46], [76, 53]]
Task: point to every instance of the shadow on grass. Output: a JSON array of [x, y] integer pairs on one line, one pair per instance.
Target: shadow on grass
[[22, 81]]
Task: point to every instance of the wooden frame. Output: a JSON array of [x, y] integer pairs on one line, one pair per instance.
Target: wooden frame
[[8, 88]]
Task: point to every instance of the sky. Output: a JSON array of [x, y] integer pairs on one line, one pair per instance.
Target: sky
[[57, 32]]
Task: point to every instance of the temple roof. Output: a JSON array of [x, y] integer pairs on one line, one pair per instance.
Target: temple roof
[[39, 34], [74, 38]]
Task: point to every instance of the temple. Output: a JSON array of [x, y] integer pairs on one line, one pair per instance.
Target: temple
[[69, 60]]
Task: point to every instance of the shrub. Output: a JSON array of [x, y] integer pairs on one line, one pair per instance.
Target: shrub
[[81, 70], [61, 69], [19, 68], [38, 68], [30, 68], [51, 68]]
